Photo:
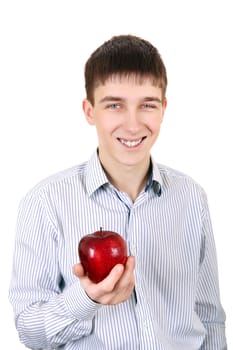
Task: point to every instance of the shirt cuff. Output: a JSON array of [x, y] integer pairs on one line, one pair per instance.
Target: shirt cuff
[[79, 304]]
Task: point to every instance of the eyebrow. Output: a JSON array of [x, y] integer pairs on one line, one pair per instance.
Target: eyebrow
[[118, 98], [111, 98]]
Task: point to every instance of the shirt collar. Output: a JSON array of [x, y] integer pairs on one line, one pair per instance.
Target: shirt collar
[[155, 179], [97, 178]]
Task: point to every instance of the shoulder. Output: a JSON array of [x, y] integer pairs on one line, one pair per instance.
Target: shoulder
[[167, 173], [60, 180], [175, 180]]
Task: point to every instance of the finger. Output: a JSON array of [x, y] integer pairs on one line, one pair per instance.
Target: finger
[[78, 270], [130, 263], [128, 279]]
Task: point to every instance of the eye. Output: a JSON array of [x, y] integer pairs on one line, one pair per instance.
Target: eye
[[113, 106], [149, 106]]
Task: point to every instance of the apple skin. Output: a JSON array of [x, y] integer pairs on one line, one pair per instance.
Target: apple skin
[[100, 251]]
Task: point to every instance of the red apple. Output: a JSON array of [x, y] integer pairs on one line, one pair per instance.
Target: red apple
[[100, 251]]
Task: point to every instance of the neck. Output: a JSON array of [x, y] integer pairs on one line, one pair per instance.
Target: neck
[[128, 179]]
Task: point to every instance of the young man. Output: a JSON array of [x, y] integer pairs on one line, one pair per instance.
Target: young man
[[167, 295]]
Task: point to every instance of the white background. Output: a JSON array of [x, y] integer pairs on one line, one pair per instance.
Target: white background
[[44, 45]]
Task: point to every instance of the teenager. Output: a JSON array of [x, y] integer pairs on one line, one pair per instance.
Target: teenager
[[166, 297]]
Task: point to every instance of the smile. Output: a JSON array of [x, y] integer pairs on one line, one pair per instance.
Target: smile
[[132, 143]]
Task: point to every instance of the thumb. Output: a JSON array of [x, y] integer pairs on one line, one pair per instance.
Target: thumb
[[111, 280]]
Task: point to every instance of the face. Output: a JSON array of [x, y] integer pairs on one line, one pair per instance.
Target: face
[[127, 115]]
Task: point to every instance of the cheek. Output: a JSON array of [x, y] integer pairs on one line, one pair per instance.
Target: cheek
[[107, 124], [154, 126], [103, 131]]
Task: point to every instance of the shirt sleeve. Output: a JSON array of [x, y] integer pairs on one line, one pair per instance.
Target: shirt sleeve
[[208, 305], [46, 315]]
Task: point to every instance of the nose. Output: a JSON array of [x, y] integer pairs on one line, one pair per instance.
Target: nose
[[132, 121]]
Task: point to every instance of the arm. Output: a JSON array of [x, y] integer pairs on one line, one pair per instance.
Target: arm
[[46, 315], [208, 306]]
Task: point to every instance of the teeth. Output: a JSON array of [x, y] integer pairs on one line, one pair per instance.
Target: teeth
[[131, 143]]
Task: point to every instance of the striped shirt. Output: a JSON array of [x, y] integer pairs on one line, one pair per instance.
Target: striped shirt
[[175, 304]]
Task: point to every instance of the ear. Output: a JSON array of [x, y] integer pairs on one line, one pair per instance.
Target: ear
[[164, 103], [164, 106], [88, 111]]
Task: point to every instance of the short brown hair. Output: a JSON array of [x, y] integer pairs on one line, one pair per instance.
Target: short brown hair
[[124, 55]]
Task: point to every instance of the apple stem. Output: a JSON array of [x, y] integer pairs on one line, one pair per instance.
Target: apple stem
[[101, 228]]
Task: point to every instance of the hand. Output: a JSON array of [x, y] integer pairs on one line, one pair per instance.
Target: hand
[[115, 288]]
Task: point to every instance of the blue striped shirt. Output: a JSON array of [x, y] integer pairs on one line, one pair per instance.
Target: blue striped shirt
[[176, 303]]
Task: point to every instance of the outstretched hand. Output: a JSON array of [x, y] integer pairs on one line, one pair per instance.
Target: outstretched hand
[[115, 288]]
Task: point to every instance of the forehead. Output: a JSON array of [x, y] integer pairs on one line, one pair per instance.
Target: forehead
[[127, 87]]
